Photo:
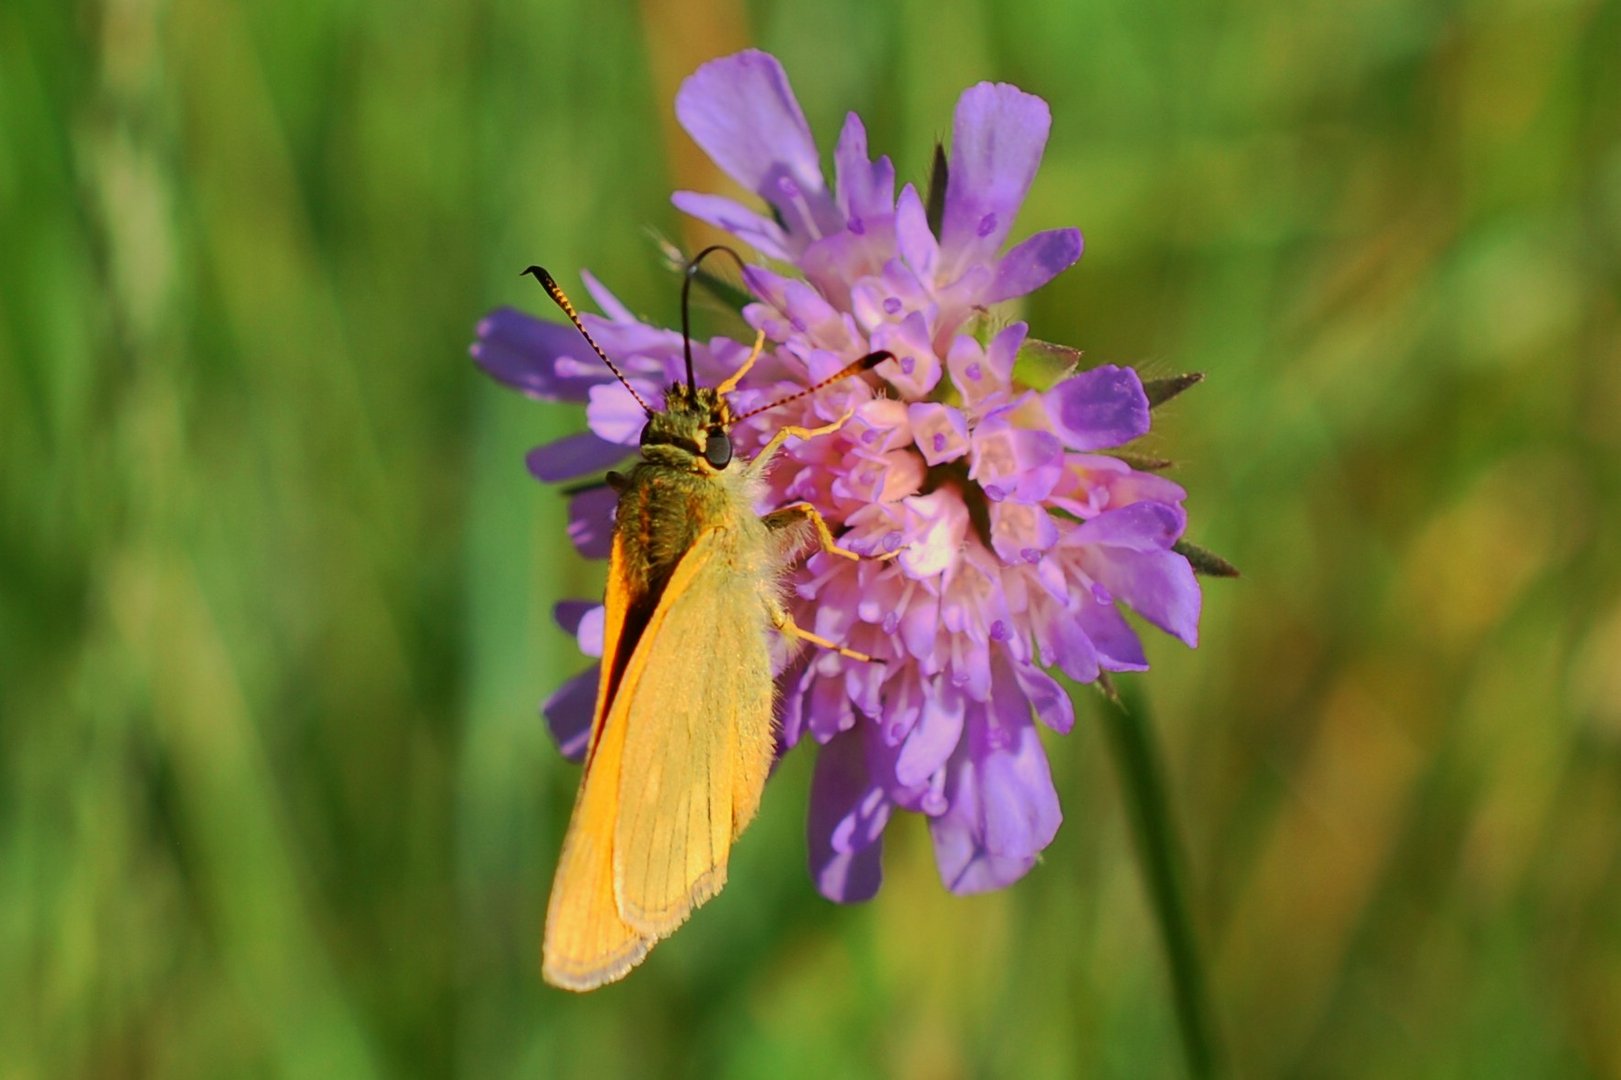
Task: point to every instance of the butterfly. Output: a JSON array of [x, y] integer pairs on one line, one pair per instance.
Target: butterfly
[[681, 736]]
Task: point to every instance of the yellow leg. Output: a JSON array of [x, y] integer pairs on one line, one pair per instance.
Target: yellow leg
[[779, 519], [783, 434], [737, 376], [784, 623]]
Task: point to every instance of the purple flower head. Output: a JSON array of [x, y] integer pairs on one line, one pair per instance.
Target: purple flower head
[[1002, 544]]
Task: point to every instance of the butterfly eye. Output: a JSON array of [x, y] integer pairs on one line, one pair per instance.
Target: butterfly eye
[[718, 448], [647, 432]]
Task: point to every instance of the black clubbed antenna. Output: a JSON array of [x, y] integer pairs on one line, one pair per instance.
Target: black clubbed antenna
[[856, 367], [555, 291], [686, 289]]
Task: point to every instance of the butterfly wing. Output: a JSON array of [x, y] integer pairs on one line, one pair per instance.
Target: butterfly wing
[[695, 712], [675, 768], [586, 942]]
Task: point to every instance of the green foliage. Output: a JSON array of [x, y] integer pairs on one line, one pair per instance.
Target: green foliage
[[275, 590]]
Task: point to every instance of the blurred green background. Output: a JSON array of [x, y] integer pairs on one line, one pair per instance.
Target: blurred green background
[[275, 589]]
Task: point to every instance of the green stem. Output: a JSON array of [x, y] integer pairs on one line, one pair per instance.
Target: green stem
[[1142, 780]]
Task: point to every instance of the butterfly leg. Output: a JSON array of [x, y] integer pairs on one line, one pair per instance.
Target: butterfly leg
[[784, 622], [795, 513], [737, 376], [613, 480], [783, 434]]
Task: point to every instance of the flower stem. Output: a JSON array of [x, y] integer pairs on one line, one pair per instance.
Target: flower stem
[[1142, 780]]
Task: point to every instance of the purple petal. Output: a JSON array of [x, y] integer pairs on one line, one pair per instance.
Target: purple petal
[[1015, 463], [1020, 533], [1094, 483], [915, 369], [570, 613], [834, 262], [743, 113], [830, 711], [1118, 646], [965, 861], [1064, 644], [935, 735], [590, 632], [610, 304], [893, 295], [1033, 263], [848, 805], [613, 413], [848, 877], [966, 867], [568, 714], [864, 683], [573, 456], [997, 140], [1048, 699], [591, 521], [523, 352], [1099, 408], [936, 525], [1003, 350], [917, 245], [806, 310], [903, 704], [940, 431], [866, 188], [1021, 806], [756, 230], [792, 700], [845, 825], [1158, 585], [1144, 526], [920, 630]]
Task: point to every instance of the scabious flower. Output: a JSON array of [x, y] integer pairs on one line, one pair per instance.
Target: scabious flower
[[1013, 545]]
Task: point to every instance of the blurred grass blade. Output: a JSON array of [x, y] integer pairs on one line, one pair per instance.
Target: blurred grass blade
[[1142, 781]]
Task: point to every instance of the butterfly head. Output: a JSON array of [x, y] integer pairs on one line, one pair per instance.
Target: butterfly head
[[691, 431]]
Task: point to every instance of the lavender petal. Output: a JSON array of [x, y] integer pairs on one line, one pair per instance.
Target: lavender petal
[[1033, 263], [997, 140], [1099, 408], [590, 521], [743, 113], [523, 352], [573, 456], [845, 824], [568, 714]]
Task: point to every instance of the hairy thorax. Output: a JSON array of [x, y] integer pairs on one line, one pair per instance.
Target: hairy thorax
[[663, 508]]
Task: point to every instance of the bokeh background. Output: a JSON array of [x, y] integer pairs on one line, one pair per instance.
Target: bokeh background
[[275, 589]]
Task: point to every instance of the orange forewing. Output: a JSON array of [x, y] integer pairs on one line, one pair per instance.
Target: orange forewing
[[586, 942]]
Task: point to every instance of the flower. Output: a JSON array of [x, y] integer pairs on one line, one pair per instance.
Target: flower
[[1004, 544]]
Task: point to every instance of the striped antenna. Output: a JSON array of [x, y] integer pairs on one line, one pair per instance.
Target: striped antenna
[[554, 291], [866, 363]]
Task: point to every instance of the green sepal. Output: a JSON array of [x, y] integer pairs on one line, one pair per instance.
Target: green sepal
[[1204, 562], [934, 205], [1106, 686], [1160, 391], [1040, 365], [1141, 462]]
